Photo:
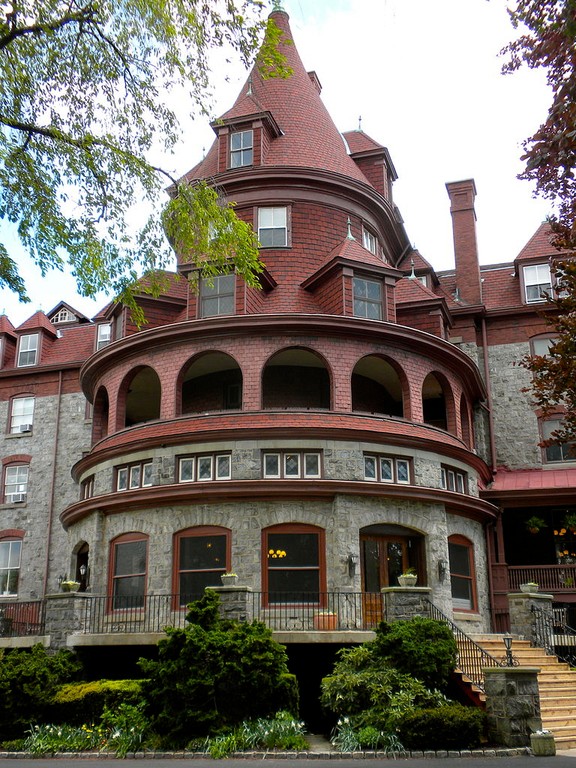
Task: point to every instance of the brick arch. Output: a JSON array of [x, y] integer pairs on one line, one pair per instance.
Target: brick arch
[[12, 533], [397, 389], [142, 403], [218, 383], [438, 406], [17, 458], [296, 382]]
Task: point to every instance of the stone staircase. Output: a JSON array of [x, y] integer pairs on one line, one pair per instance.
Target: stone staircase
[[556, 681]]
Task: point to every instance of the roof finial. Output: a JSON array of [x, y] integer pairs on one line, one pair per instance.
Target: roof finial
[[412, 275], [350, 236], [359, 122], [277, 5], [249, 91]]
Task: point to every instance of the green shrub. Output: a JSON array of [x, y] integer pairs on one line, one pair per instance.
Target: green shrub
[[213, 674], [450, 727], [77, 703], [29, 680], [282, 732], [346, 738], [423, 648]]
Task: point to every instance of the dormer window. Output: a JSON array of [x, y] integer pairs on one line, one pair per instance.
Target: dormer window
[[103, 335], [28, 350], [537, 282], [369, 241], [241, 148], [367, 298], [272, 227], [217, 295]]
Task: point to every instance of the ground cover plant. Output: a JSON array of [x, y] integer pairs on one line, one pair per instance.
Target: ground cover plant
[[377, 687]]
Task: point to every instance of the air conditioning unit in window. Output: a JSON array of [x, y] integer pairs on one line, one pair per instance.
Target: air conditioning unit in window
[[17, 498], [25, 427]]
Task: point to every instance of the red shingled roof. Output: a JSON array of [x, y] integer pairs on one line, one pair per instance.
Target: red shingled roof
[[74, 345], [309, 137], [411, 289], [358, 141], [5, 325], [37, 320], [539, 245]]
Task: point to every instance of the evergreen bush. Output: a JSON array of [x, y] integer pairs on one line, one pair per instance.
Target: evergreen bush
[[213, 674], [78, 703], [449, 727]]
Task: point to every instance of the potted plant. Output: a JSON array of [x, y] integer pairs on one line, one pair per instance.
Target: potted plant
[[535, 524], [408, 577], [67, 585], [229, 578], [570, 521], [325, 620]]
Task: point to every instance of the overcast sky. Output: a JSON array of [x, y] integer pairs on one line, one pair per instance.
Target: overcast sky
[[424, 77]]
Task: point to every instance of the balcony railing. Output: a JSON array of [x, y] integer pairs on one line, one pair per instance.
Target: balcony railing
[[325, 611], [21, 619], [550, 578]]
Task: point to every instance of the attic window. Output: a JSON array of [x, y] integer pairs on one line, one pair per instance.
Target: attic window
[[63, 316], [241, 146], [537, 282]]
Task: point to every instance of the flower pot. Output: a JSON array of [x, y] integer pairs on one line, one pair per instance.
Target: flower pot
[[229, 579], [529, 587], [70, 586], [407, 580], [325, 621]]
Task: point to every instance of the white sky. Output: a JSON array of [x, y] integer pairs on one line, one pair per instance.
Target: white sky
[[424, 75]]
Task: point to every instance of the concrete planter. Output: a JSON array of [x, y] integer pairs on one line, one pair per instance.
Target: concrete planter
[[542, 744], [529, 587], [229, 579], [407, 580]]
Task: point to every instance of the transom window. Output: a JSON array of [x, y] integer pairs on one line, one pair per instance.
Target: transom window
[[10, 553], [204, 467], [367, 298], [369, 241], [272, 227], [241, 148], [453, 479], [387, 469], [28, 350], [557, 451], [291, 464], [202, 555], [537, 281], [137, 475], [462, 575], [22, 417], [103, 335], [129, 562], [15, 483], [217, 295], [293, 560]]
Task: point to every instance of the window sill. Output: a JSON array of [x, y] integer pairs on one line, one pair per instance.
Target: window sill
[[17, 435], [466, 616]]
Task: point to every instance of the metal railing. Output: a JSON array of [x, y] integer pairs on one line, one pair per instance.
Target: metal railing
[[472, 658], [550, 578], [21, 619], [281, 612]]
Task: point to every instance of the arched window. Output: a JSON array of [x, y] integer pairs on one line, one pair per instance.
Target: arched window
[[201, 556], [128, 566], [294, 568], [462, 574], [10, 559]]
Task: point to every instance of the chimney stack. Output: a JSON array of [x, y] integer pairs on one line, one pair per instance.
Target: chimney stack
[[468, 282]]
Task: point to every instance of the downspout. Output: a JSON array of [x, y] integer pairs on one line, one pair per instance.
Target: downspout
[[52, 487]]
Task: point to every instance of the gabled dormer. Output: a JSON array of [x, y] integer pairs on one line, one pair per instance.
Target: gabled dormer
[[35, 336], [7, 343], [65, 314], [244, 139], [373, 160]]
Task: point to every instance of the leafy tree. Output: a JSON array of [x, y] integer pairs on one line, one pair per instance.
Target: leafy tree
[[214, 674], [84, 96], [549, 42]]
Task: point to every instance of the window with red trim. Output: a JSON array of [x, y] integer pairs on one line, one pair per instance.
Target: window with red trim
[[462, 573], [294, 563], [201, 556], [129, 558], [10, 553]]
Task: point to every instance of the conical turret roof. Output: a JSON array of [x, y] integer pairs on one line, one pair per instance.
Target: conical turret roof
[[308, 137]]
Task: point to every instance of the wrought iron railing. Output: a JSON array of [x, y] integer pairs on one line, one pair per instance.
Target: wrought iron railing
[[472, 658], [550, 578], [21, 619], [288, 612]]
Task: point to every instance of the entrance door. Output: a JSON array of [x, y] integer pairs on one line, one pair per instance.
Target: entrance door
[[383, 559]]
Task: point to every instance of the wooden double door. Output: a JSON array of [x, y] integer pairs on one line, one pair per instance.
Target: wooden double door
[[383, 558]]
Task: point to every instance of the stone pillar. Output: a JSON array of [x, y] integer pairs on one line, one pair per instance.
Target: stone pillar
[[512, 705], [403, 603], [531, 617], [236, 602], [65, 613]]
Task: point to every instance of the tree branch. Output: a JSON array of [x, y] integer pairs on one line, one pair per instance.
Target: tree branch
[[85, 15]]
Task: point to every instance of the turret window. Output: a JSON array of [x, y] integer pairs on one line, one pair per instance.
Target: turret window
[[291, 465], [367, 298], [369, 241], [272, 227], [241, 148], [387, 469], [202, 468]]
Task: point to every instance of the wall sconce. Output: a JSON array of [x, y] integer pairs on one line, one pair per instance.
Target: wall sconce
[[352, 562], [442, 569]]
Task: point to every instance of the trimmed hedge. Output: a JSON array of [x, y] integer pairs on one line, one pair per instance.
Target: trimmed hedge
[[78, 703], [451, 727]]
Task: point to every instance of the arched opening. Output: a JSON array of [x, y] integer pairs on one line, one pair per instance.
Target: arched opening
[[465, 423], [143, 394], [376, 387], [434, 402], [100, 415], [212, 382], [81, 566], [296, 378]]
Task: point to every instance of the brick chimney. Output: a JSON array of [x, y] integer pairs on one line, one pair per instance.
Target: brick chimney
[[468, 283]]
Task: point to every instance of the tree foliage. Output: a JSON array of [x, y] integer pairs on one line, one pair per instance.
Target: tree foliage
[[213, 674], [85, 92], [549, 43]]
